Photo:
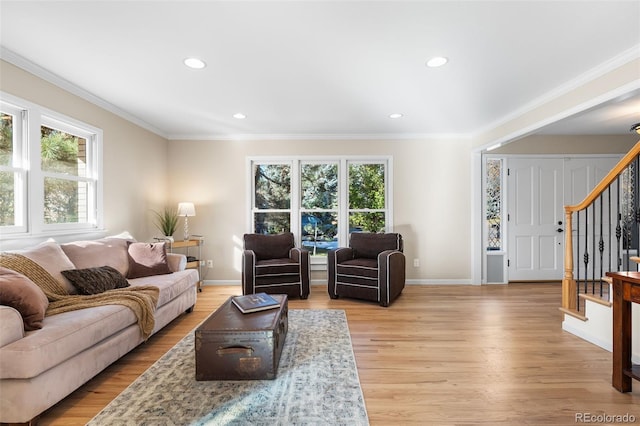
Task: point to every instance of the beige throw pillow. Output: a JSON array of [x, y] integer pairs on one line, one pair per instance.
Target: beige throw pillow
[[50, 256], [92, 254]]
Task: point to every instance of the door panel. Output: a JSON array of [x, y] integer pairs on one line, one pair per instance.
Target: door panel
[[535, 209]]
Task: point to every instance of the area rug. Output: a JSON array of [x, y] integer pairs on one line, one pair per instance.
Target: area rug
[[317, 384]]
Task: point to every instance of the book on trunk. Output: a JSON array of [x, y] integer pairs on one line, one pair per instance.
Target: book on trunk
[[254, 302]]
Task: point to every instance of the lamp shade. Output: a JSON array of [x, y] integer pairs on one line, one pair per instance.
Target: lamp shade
[[186, 209], [635, 128]]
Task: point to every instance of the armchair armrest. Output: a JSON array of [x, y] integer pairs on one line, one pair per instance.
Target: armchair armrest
[[344, 253], [392, 265], [334, 257], [248, 271]]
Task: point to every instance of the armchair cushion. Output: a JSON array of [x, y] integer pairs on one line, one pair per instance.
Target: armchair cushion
[[368, 246], [269, 246]]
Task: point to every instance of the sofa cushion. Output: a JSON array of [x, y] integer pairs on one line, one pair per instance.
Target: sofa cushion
[[95, 280], [25, 296], [105, 252], [170, 285], [147, 259], [62, 337], [50, 256]]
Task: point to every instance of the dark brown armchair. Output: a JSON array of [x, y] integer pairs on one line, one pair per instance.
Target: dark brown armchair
[[371, 268], [273, 264]]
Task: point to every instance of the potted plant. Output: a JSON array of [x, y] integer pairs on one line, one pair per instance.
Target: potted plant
[[167, 222]]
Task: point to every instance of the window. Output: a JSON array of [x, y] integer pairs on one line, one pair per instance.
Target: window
[[319, 207], [320, 200], [493, 197], [367, 195], [49, 171]]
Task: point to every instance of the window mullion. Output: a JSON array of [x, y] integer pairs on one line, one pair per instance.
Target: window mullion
[[343, 197], [35, 179], [295, 200]]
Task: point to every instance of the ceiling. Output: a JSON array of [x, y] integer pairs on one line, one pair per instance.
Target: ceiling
[[328, 69]]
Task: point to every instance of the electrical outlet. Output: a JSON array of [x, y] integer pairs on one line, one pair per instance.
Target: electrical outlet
[[209, 263], [416, 263]]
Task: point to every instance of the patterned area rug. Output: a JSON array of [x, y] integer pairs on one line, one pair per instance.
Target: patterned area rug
[[317, 384]]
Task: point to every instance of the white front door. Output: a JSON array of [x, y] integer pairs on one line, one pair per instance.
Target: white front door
[[535, 219]]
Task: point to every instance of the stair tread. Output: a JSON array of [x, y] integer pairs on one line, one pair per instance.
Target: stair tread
[[596, 299], [574, 314]]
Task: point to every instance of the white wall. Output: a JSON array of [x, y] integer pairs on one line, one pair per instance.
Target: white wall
[[135, 172], [431, 198]]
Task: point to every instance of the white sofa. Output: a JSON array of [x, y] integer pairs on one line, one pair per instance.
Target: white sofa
[[41, 367]]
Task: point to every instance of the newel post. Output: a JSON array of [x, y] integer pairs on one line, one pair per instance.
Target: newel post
[[568, 282]]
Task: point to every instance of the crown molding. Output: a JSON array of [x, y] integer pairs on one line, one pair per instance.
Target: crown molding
[[323, 137], [25, 64]]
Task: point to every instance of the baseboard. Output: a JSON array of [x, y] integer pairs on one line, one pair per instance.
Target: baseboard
[[584, 335], [579, 331], [453, 281]]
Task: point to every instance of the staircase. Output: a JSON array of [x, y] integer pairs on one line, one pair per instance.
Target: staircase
[[605, 236]]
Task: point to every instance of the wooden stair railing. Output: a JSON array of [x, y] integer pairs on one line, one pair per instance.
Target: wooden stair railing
[[569, 289]]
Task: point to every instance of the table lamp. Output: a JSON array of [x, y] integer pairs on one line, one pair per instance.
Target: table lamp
[[186, 210]]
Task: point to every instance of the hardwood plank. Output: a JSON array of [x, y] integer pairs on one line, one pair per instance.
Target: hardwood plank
[[441, 355]]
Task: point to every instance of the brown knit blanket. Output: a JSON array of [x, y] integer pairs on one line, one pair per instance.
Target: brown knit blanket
[[141, 300]]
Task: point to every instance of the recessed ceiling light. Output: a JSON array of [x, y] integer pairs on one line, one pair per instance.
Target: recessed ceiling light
[[239, 116], [195, 63], [437, 61], [395, 115]]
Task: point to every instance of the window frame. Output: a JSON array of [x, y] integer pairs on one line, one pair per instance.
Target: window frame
[[18, 167], [31, 222], [343, 162]]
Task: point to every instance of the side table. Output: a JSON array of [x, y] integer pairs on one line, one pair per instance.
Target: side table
[[626, 290], [194, 264]]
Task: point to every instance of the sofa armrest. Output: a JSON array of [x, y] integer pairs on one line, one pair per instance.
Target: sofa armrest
[[11, 325], [177, 262]]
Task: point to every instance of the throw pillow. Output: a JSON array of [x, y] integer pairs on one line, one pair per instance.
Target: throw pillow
[[95, 280], [147, 259], [23, 295], [50, 256], [94, 253]]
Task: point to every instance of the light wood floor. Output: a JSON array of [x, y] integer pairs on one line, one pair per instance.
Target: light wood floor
[[440, 355]]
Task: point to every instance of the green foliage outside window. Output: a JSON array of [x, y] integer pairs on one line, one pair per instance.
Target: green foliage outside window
[[366, 192], [65, 154], [7, 208], [319, 201], [272, 192]]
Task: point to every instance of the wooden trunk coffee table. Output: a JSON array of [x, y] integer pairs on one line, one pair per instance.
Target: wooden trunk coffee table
[[230, 345]]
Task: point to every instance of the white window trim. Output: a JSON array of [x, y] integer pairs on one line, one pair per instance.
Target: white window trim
[[319, 262], [34, 228]]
